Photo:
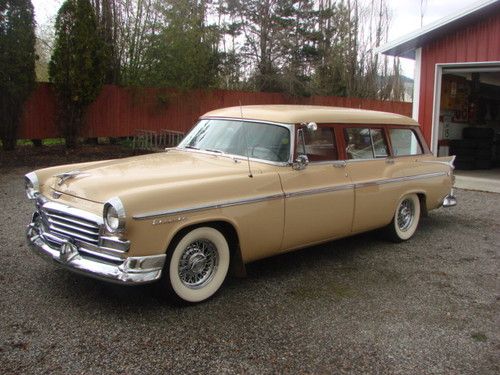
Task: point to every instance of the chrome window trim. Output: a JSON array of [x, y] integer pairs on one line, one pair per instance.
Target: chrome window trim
[[290, 127]]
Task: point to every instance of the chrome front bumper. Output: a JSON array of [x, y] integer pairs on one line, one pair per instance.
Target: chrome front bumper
[[132, 271]]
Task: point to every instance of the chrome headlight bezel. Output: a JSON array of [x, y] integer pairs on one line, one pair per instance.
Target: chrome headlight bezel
[[114, 215], [31, 185]]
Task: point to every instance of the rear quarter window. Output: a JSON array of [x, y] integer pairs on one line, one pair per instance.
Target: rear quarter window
[[404, 142]]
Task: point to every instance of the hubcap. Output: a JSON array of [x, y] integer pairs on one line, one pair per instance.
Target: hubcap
[[198, 263], [405, 214]]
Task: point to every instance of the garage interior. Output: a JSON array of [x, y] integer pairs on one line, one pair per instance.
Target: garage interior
[[469, 121]]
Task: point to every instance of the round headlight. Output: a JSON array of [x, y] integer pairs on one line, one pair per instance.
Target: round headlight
[[114, 215], [112, 218], [31, 185]]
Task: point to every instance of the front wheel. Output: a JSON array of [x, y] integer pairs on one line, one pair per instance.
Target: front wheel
[[406, 218], [197, 265]]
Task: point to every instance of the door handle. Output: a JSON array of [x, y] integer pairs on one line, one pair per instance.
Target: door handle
[[339, 164], [389, 160]]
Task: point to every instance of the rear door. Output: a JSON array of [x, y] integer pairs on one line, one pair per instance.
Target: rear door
[[384, 164], [371, 168]]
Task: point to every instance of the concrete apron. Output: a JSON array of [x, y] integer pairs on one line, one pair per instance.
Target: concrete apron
[[480, 180]]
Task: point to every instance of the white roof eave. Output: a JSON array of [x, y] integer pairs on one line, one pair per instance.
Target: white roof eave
[[406, 45]]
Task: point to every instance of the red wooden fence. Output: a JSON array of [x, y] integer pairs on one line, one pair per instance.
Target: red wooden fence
[[120, 111]]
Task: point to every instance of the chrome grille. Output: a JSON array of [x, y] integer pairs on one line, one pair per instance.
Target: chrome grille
[[68, 225]]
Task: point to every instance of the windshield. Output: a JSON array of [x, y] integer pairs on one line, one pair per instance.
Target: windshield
[[252, 139]]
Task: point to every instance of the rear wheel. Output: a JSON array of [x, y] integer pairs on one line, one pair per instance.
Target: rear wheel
[[406, 219], [197, 266]]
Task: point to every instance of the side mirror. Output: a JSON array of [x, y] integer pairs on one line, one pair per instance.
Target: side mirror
[[312, 126], [300, 163]]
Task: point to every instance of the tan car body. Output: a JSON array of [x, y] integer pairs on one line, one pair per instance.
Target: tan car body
[[277, 209]]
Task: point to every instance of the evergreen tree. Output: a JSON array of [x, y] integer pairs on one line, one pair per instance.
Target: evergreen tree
[[108, 16], [78, 65], [17, 65], [184, 53]]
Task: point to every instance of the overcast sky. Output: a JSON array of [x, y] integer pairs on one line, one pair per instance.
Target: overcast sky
[[405, 16]]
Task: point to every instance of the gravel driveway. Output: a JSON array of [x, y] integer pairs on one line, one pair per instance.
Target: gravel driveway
[[358, 305]]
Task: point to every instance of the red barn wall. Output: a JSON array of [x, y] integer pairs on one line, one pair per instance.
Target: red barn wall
[[478, 42]]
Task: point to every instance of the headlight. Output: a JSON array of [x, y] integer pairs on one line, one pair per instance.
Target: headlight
[[114, 215], [31, 185]]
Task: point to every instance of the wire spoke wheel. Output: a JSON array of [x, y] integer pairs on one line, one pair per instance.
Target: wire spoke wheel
[[197, 264], [405, 215], [406, 218]]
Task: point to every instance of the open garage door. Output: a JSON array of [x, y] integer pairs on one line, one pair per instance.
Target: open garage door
[[469, 117]]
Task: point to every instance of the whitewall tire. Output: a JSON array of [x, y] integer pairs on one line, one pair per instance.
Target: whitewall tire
[[197, 265], [406, 218]]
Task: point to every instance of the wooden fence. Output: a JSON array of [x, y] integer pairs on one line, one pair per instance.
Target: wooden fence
[[122, 111]]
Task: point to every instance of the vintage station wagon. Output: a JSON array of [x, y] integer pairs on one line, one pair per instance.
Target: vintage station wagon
[[246, 183]]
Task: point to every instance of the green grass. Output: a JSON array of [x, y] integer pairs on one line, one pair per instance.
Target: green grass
[[479, 337], [126, 142], [53, 141], [45, 142]]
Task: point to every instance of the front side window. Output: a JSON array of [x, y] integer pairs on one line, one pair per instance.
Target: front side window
[[365, 143], [404, 142], [319, 144], [253, 139]]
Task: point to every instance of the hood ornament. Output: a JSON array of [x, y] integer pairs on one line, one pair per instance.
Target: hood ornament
[[66, 176]]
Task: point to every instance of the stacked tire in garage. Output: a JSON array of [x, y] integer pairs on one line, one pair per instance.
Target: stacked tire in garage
[[475, 151], [496, 153]]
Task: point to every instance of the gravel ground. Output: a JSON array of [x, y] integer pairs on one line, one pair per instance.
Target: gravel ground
[[358, 305]]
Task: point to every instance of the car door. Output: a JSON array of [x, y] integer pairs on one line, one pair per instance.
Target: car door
[[319, 198], [372, 171]]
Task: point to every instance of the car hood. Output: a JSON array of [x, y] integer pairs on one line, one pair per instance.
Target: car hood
[[104, 180]]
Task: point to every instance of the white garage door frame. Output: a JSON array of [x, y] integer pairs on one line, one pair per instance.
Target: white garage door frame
[[472, 67]]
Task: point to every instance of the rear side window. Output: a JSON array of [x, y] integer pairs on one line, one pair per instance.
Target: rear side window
[[320, 144], [365, 143], [404, 142]]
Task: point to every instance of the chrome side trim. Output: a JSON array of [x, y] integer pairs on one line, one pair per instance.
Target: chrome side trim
[[328, 189], [398, 179], [155, 214], [380, 158]]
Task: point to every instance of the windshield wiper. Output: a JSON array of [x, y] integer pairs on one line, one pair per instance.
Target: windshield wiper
[[213, 150], [192, 147]]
